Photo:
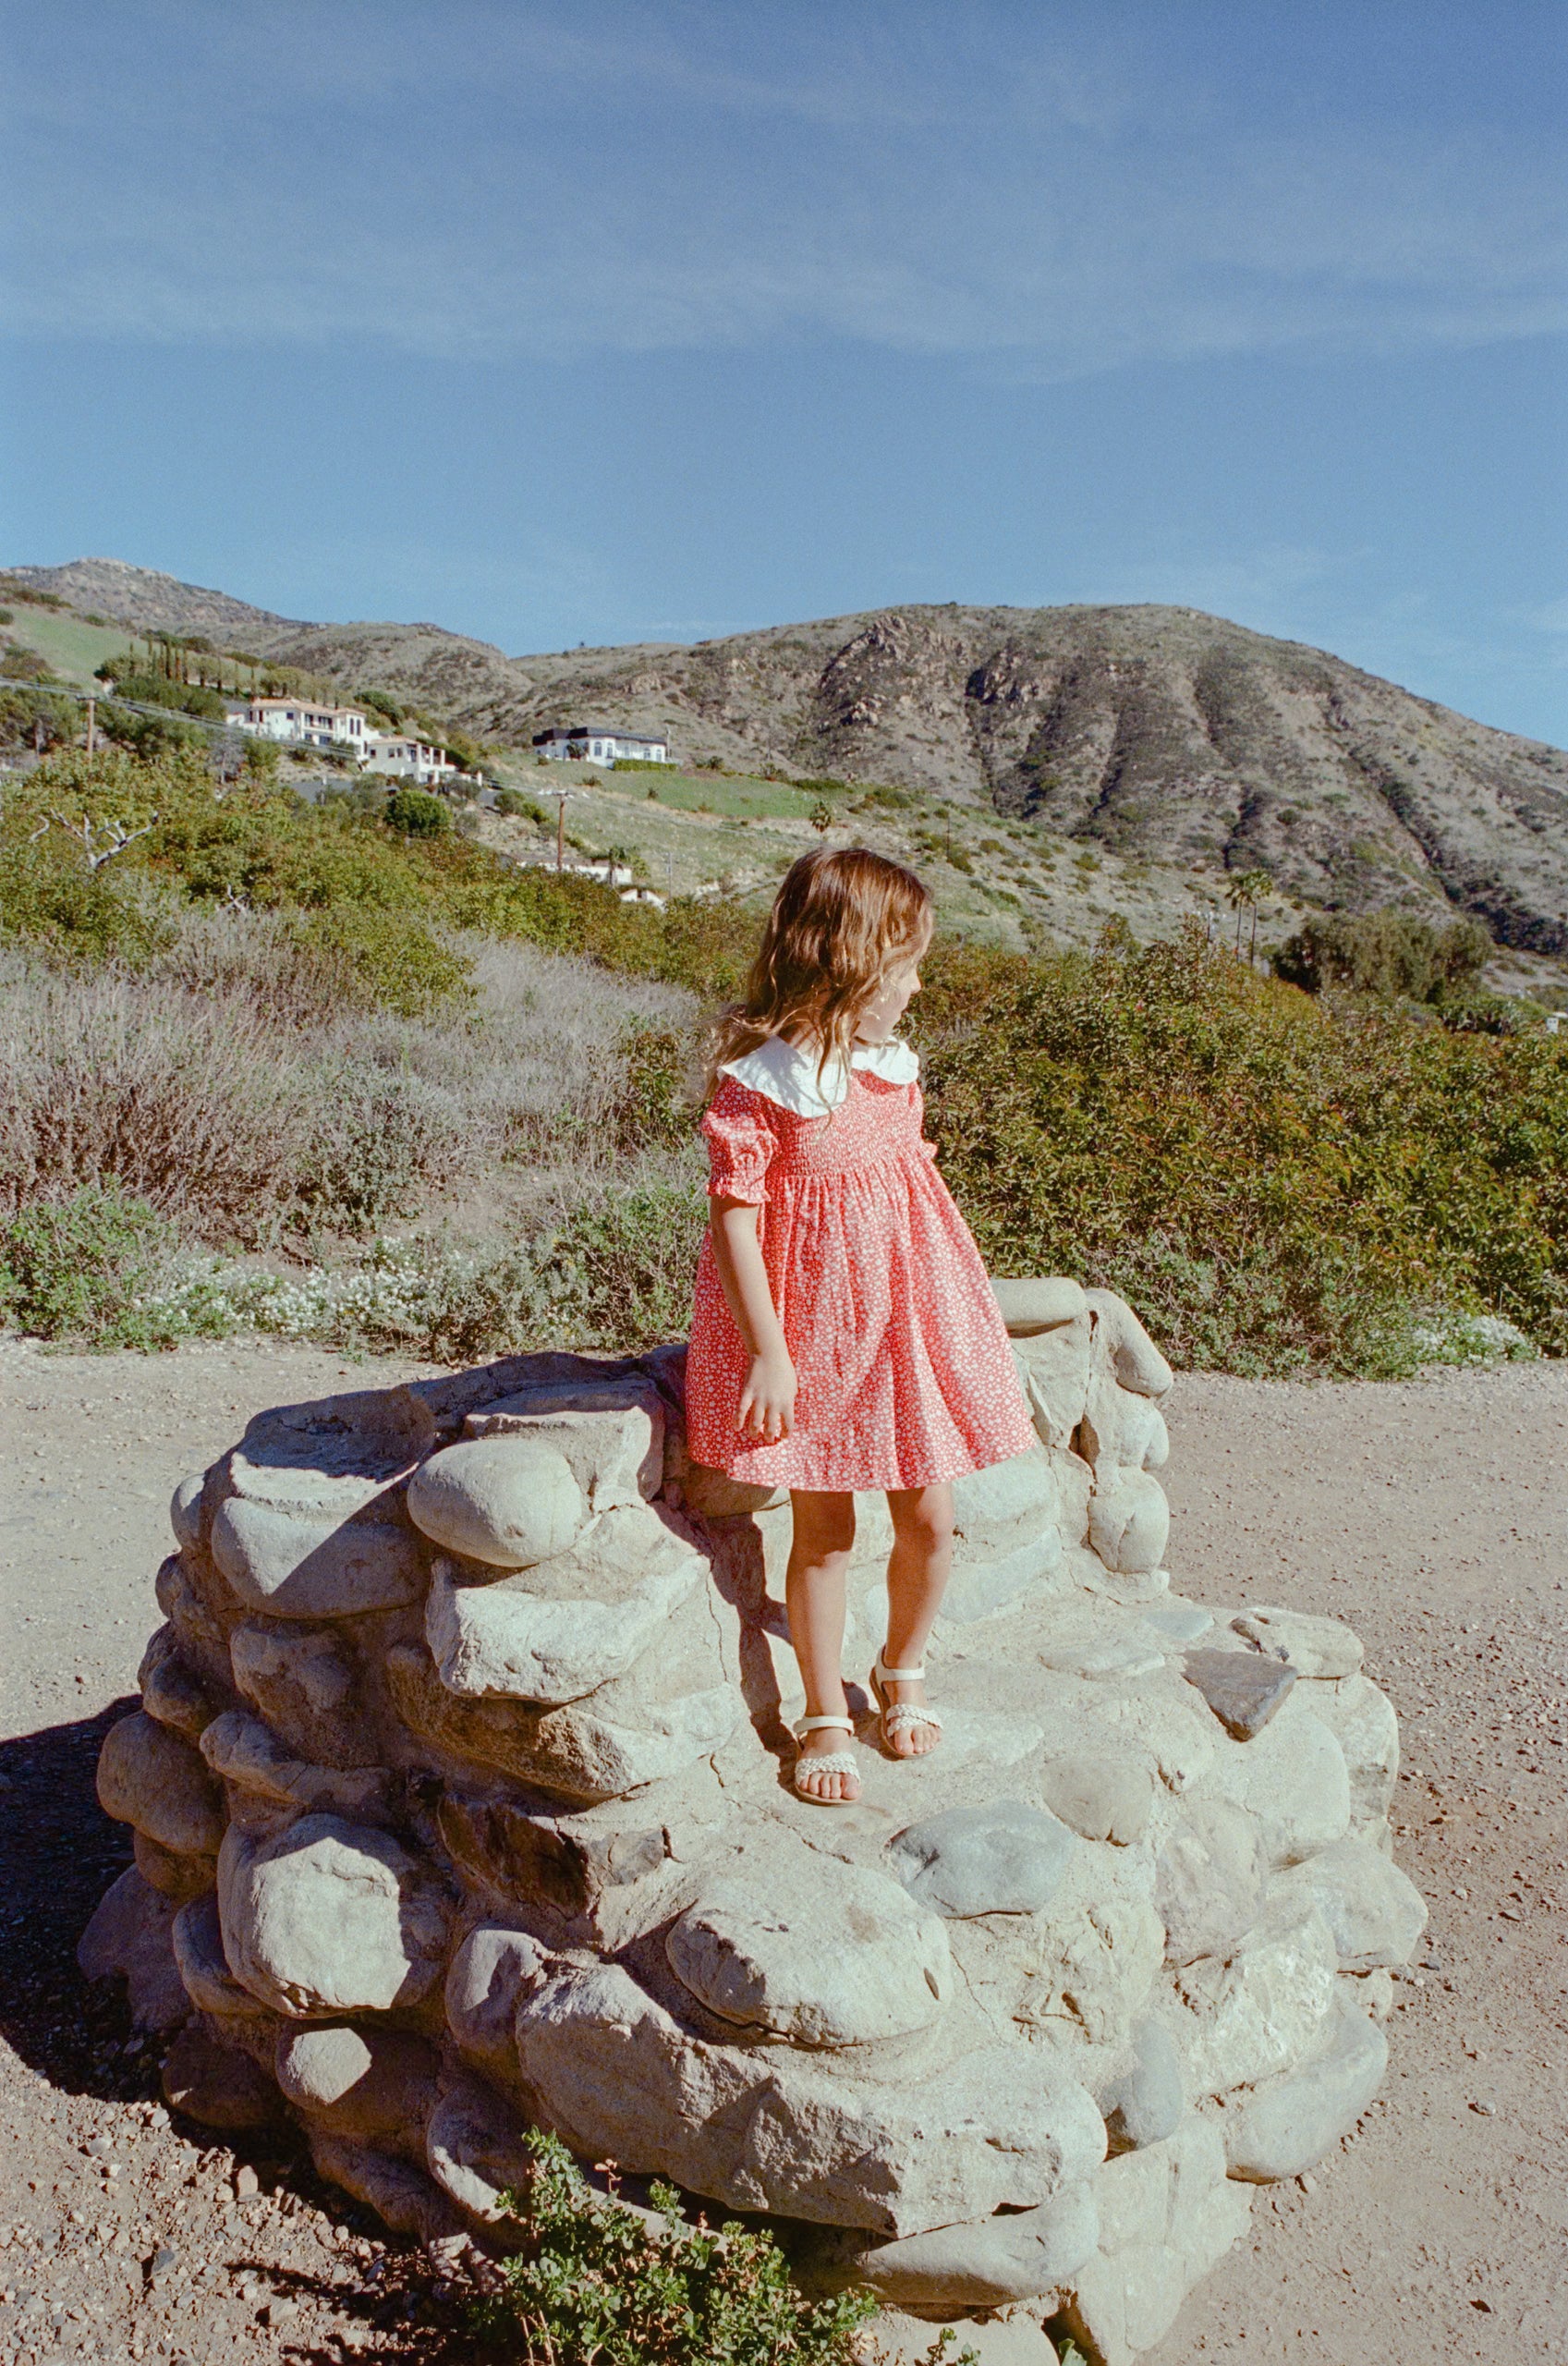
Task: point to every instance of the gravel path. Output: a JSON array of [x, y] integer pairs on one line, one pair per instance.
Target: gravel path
[[1434, 1517]]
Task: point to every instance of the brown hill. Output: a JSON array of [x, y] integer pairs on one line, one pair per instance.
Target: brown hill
[[140, 597], [1162, 733]]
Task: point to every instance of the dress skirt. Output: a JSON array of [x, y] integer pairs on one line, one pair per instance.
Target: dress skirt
[[904, 1369]]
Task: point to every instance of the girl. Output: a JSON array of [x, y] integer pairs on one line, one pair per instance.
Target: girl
[[844, 1335]]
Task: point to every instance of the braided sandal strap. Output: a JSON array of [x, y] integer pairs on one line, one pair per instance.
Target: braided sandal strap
[[832, 1761], [905, 1713]]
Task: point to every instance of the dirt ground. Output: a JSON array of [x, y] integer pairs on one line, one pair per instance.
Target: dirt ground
[[1433, 1517]]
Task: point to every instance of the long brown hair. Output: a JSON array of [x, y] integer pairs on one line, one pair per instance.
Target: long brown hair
[[841, 921]]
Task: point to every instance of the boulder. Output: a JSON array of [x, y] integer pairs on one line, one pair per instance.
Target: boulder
[[1101, 1799], [331, 1917], [173, 1877], [1259, 2011], [1282, 2127], [129, 1938], [198, 1940], [611, 1436], [1143, 2100], [1003, 1859], [762, 2131], [184, 1510], [1167, 2216], [1118, 1426], [377, 2085], [291, 1566], [1210, 1879], [1291, 1780], [1043, 1303], [1362, 1721], [806, 1948], [1243, 1688], [612, 1743], [247, 1755], [493, 1968], [1313, 1647], [1088, 1964], [509, 1502], [1375, 1912], [1136, 1360], [1054, 1368], [305, 1681], [988, 2263], [1129, 1519], [402, 2196], [553, 1633], [208, 2080], [172, 1687], [149, 1776]]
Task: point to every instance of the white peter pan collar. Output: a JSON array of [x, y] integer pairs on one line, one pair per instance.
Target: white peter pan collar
[[786, 1072]]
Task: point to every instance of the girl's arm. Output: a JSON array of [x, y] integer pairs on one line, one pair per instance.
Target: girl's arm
[[766, 1400]]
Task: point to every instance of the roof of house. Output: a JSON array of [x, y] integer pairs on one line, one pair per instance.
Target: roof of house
[[596, 731]]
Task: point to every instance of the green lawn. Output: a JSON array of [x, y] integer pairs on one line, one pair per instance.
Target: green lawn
[[737, 797], [72, 648]]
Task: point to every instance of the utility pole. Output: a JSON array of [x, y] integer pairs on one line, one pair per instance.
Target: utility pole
[[560, 795]]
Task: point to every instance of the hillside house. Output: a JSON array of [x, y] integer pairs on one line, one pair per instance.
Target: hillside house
[[599, 743], [300, 725], [391, 751]]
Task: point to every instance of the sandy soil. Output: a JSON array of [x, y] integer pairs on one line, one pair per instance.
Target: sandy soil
[[1433, 1517]]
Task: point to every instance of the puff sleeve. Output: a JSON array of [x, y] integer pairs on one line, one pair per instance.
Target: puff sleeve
[[741, 1143]]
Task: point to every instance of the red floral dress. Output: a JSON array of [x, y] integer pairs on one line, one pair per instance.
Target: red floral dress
[[905, 1373]]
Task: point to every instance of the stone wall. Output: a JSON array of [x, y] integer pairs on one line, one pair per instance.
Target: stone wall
[[461, 1800]]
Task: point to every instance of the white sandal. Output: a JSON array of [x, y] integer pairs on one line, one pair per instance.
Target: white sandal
[[831, 1762], [897, 1715]]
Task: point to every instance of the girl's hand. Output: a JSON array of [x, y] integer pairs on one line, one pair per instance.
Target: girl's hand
[[767, 1400]]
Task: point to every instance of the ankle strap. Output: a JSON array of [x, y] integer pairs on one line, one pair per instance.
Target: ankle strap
[[885, 1675], [825, 1725]]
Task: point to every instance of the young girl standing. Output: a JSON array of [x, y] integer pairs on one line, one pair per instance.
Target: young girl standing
[[844, 1335]]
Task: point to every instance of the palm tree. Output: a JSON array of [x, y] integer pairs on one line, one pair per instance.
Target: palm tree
[[1245, 890]]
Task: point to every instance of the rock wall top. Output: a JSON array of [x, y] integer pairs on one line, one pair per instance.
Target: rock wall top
[[461, 1802]]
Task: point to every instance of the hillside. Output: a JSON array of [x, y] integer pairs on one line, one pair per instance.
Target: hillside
[[1158, 734], [138, 597]]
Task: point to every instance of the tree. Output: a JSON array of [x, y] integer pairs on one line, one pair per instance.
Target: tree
[[821, 817], [1245, 890]]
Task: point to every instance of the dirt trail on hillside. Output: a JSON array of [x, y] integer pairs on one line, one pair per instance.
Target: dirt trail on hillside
[[1434, 1517]]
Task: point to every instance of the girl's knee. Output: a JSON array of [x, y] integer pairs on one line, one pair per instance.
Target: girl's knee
[[923, 1516], [825, 1525]]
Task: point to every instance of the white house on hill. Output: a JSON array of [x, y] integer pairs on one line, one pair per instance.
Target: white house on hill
[[299, 724], [599, 743]]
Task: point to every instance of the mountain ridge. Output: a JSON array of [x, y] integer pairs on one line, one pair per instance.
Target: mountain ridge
[[1160, 733]]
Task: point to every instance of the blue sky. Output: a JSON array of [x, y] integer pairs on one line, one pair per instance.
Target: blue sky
[[557, 323]]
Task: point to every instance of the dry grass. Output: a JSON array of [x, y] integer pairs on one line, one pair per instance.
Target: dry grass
[[232, 1087]]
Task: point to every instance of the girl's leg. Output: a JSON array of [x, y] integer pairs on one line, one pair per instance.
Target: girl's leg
[[918, 1571], [818, 1558]]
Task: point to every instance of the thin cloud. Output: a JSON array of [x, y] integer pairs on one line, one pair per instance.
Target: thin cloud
[[634, 188]]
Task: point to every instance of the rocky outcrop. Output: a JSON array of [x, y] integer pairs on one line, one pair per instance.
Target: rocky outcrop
[[461, 1799]]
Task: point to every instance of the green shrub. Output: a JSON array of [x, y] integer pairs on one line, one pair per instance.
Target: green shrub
[[76, 1270], [518, 808], [417, 813], [659, 1102], [1384, 953], [1274, 1183], [152, 689], [383, 956], [620, 1273], [599, 2284]]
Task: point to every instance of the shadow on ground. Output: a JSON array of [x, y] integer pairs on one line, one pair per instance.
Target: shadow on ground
[[61, 1854]]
